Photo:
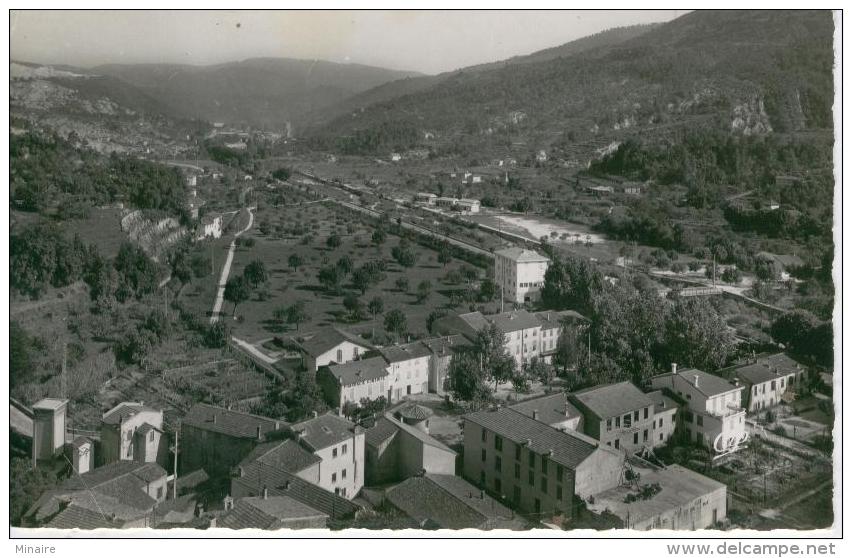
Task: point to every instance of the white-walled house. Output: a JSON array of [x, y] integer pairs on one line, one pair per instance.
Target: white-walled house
[[713, 414], [330, 345], [133, 432], [519, 273], [408, 369], [353, 381], [339, 444]]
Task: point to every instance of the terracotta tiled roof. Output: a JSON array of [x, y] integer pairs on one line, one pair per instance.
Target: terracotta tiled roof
[[286, 454], [552, 409], [255, 512], [231, 423], [326, 339], [568, 448], [612, 400], [324, 431], [400, 353], [357, 371], [124, 410]]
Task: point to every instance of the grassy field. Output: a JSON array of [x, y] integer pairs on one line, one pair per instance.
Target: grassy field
[[287, 286]]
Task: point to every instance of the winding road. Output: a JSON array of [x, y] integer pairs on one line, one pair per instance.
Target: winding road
[[226, 269]]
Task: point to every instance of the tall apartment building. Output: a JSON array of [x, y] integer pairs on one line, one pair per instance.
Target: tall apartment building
[[537, 468], [519, 273]]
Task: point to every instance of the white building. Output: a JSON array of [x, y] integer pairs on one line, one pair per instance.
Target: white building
[[713, 414], [133, 432], [519, 273], [330, 345], [408, 369], [469, 205], [339, 444], [425, 197]]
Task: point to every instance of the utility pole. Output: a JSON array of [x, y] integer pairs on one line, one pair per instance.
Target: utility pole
[[714, 270], [174, 483]]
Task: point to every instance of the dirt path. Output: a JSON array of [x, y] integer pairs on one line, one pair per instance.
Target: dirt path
[[226, 270], [257, 353]]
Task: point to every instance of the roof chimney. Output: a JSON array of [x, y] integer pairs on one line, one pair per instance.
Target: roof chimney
[[259, 433], [265, 494], [214, 419], [695, 376], [535, 414], [674, 368]]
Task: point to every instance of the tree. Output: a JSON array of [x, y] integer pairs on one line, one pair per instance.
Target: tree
[[255, 273], [496, 362], [376, 306], [282, 173], [445, 255], [487, 290], [696, 336], [217, 334], [396, 322], [135, 345], [236, 291], [344, 264], [26, 485], [540, 370], [330, 278], [294, 261], [333, 241], [303, 398], [379, 236], [403, 254], [732, 275], [297, 314], [137, 273], [361, 279], [23, 350], [803, 334], [465, 378], [401, 284], [569, 345], [355, 307], [424, 289]]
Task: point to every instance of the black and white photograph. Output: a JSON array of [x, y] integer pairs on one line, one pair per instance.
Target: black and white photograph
[[480, 273]]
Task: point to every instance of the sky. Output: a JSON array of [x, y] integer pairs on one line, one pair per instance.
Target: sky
[[424, 41]]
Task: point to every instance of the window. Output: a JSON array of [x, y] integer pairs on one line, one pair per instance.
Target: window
[[518, 452], [661, 436], [544, 465], [627, 421], [646, 412], [661, 422], [531, 478], [482, 478], [498, 486], [544, 484], [334, 477], [483, 455], [343, 449], [159, 492], [608, 425], [498, 443], [354, 352], [532, 459], [636, 416], [699, 420], [343, 474], [687, 416], [559, 472], [339, 355], [635, 437], [616, 443], [755, 390], [558, 491], [498, 464], [772, 385], [517, 471], [334, 452], [151, 437], [618, 422], [644, 435], [516, 494], [484, 435]]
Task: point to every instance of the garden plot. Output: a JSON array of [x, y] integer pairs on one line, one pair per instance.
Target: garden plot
[[225, 381]]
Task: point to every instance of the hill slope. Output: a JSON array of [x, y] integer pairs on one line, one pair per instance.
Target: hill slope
[[407, 86], [749, 72], [260, 91]]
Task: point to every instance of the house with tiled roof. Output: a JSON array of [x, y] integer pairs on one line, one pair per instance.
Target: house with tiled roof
[[552, 409], [767, 380], [330, 345], [270, 513], [408, 369], [665, 416], [122, 494], [536, 467], [339, 445], [713, 414], [251, 478], [434, 501], [519, 273], [398, 446], [216, 439], [619, 415], [133, 431], [353, 381]]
